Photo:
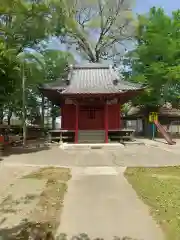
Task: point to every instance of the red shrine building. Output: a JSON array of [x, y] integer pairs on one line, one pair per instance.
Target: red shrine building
[[90, 100]]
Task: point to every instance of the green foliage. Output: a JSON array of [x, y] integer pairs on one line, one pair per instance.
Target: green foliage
[[8, 73], [22, 24], [25, 24], [28, 24], [49, 65], [56, 62], [156, 59]]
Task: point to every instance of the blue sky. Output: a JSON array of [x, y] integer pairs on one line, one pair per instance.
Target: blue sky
[[168, 5]]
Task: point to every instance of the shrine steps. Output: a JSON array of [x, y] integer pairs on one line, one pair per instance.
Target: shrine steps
[[91, 136], [88, 146]]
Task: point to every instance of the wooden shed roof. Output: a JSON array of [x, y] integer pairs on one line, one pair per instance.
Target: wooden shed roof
[[163, 111]]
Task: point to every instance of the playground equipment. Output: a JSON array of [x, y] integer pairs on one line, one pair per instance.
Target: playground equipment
[[164, 133]]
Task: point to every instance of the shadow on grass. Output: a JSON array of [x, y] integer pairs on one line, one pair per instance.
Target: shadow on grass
[[9, 206], [36, 231], [26, 231]]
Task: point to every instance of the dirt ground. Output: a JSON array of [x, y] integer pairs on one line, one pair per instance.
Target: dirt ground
[[32, 195]]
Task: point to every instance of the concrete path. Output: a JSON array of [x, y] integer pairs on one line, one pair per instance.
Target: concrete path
[[133, 155], [102, 204]]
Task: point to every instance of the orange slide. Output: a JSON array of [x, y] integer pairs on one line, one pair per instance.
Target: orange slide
[[165, 134]]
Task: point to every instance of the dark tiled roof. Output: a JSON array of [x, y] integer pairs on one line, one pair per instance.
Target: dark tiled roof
[[173, 112], [163, 111], [93, 78]]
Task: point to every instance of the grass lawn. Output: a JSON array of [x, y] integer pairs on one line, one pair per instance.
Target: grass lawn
[[160, 189]]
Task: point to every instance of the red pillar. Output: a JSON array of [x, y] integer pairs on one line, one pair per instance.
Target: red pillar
[[106, 122], [76, 123]]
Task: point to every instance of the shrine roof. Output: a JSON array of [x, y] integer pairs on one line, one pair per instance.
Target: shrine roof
[[92, 78]]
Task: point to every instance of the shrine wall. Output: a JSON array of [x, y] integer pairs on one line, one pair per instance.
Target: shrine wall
[[68, 116]]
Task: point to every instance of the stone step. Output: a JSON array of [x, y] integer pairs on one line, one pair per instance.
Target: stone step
[[91, 132], [86, 146], [91, 136], [127, 143], [93, 140]]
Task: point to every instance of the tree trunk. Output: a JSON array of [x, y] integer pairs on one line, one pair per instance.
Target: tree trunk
[[42, 114], [24, 107], [48, 114], [1, 115], [146, 123], [1, 140], [53, 122], [42, 111], [53, 117], [144, 127], [9, 117]]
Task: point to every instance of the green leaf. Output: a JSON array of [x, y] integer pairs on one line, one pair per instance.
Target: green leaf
[[155, 61]]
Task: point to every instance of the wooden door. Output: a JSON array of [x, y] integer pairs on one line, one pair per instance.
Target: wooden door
[[91, 118]]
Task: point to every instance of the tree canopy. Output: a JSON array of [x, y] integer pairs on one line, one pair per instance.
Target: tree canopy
[[25, 24], [155, 61], [97, 29]]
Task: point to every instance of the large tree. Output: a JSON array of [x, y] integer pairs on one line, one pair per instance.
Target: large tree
[[22, 24], [26, 23], [155, 61], [97, 29], [56, 63]]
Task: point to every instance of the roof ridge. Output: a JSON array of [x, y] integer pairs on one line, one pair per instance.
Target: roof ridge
[[91, 66]]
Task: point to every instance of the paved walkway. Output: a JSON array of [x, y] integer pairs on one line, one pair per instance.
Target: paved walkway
[[102, 204], [99, 201], [134, 155]]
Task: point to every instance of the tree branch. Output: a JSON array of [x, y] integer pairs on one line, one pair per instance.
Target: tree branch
[[115, 39], [81, 40], [109, 22]]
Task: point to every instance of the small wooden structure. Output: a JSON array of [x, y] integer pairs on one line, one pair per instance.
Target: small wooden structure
[[90, 100], [169, 118]]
